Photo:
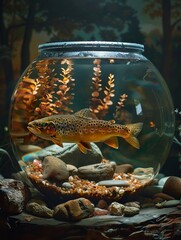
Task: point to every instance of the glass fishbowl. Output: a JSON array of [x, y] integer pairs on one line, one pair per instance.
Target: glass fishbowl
[[103, 97]]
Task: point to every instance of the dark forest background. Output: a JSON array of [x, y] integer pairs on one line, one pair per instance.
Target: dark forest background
[[69, 20]]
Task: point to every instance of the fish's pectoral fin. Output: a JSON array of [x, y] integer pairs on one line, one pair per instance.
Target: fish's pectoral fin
[[112, 142], [133, 141], [84, 147], [57, 141]]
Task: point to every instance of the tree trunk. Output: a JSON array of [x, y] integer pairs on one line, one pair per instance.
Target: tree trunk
[[25, 48], [7, 68], [167, 41], [6, 59]]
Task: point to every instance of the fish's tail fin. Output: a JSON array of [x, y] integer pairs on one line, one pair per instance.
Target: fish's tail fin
[[135, 129]]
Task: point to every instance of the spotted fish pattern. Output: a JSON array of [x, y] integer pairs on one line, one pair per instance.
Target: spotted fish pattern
[[83, 128]]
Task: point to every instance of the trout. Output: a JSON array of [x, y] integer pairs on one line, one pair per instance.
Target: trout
[[83, 128]]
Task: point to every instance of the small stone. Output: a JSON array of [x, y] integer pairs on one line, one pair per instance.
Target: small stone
[[111, 183], [133, 204], [72, 169], [96, 172], [172, 187], [116, 209], [66, 185], [121, 191], [130, 211], [170, 203], [102, 204], [100, 212], [124, 168], [74, 210], [54, 168], [39, 210], [13, 196]]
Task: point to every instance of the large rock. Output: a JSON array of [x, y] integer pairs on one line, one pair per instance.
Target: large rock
[[172, 187], [54, 168], [13, 196], [39, 209], [69, 153], [97, 172], [74, 210], [131, 211]]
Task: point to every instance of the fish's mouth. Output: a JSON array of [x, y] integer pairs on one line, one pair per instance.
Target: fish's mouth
[[33, 129]]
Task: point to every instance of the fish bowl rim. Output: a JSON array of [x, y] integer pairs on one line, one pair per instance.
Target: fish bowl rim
[[91, 46]]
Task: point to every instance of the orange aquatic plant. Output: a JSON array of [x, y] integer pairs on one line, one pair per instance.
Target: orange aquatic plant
[[39, 96], [100, 103]]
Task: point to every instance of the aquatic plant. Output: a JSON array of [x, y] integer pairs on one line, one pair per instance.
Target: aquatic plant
[[99, 105], [65, 92], [39, 96], [119, 106], [50, 100]]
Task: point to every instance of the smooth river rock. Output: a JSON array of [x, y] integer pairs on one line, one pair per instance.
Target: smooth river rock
[[96, 172], [39, 210], [172, 187], [54, 168], [111, 183], [170, 203], [130, 211]]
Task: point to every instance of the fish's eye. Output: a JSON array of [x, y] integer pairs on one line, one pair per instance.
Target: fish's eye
[[43, 124]]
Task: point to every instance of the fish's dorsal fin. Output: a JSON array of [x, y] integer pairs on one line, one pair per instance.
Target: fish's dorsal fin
[[85, 113], [112, 142], [84, 146]]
